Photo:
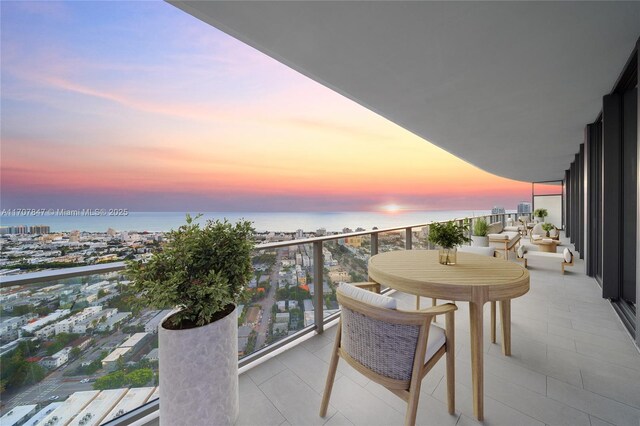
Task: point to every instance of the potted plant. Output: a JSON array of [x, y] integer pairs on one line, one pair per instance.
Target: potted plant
[[202, 272], [548, 227], [479, 237], [448, 236], [541, 214]]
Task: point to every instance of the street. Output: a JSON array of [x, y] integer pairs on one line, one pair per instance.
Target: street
[[266, 304]]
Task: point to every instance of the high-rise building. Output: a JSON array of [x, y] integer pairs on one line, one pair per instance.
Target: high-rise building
[[15, 229], [497, 210], [524, 208], [40, 229]]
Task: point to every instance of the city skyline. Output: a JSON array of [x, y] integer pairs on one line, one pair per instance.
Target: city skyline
[[101, 108]]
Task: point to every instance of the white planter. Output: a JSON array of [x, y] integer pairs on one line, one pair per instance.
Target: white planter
[[199, 374], [479, 241]]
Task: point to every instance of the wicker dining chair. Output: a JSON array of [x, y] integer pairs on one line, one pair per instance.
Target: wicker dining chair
[[389, 346]]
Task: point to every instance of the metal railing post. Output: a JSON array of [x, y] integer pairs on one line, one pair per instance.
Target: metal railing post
[[408, 239], [318, 269], [374, 243]]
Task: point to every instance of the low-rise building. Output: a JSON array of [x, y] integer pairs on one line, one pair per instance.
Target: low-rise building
[[113, 321], [280, 327], [56, 360], [35, 420], [136, 341], [282, 317], [69, 408], [153, 356], [152, 325], [110, 362], [18, 415], [98, 408], [46, 331], [9, 328], [134, 398], [41, 322]]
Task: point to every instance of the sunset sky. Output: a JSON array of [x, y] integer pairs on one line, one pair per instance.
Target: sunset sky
[[138, 105]]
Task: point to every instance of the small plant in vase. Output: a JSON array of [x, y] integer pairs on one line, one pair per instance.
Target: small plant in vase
[[541, 214], [479, 237], [548, 227], [448, 236]]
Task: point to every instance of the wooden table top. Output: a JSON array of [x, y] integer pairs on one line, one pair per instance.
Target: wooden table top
[[419, 272]]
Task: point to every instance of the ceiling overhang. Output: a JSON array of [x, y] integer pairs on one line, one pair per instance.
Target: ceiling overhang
[[506, 86]]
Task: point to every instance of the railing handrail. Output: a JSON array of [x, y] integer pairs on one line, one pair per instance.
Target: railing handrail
[[57, 274]]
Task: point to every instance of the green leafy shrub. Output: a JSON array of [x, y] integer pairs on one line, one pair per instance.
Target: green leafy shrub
[[541, 213], [480, 228], [201, 270], [548, 227], [448, 235]]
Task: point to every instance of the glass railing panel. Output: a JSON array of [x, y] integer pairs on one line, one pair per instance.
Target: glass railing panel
[[73, 335], [345, 260], [280, 297], [419, 240], [391, 241]]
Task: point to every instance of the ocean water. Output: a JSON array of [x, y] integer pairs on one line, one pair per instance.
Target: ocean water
[[278, 221]]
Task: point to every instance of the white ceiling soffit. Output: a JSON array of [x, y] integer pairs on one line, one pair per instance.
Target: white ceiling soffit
[[506, 86]]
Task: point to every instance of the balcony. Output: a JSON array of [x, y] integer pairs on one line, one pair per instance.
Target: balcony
[[572, 360], [572, 363]]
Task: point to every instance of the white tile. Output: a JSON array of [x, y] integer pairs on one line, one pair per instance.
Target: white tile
[[297, 402], [307, 366], [338, 420], [255, 407], [495, 413], [599, 422], [360, 406], [601, 407], [266, 370], [626, 358], [528, 402]]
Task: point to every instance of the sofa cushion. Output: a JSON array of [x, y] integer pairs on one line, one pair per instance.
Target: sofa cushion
[[366, 296], [485, 251], [494, 228], [521, 251]]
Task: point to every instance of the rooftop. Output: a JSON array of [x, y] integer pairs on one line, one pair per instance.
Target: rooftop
[[98, 408], [71, 407]]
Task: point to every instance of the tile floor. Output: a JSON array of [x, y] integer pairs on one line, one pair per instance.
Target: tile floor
[[572, 364]]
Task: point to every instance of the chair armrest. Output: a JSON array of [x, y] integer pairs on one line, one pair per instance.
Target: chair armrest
[[440, 309], [371, 286]]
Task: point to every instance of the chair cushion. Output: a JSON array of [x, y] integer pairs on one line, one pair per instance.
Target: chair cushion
[[485, 251], [512, 228], [435, 341], [366, 296], [521, 251], [568, 256], [498, 236]]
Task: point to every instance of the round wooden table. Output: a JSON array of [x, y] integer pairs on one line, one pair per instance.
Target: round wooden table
[[475, 279]]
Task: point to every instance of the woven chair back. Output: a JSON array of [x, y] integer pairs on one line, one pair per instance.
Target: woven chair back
[[383, 347]]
